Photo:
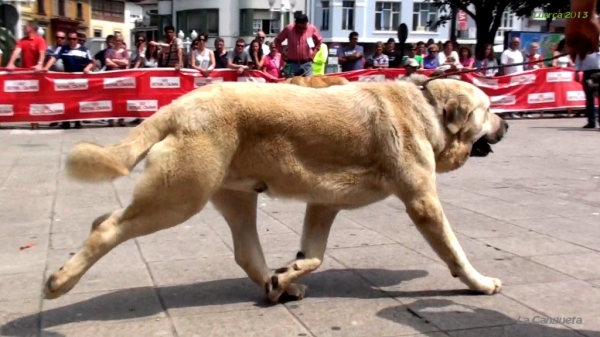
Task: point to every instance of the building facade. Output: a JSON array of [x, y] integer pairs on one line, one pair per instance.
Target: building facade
[[231, 19], [55, 15], [375, 20], [114, 16]]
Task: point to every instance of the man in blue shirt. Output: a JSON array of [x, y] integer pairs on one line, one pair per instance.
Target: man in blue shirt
[[76, 58], [351, 56]]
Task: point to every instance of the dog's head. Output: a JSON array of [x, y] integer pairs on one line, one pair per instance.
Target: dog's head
[[468, 125]]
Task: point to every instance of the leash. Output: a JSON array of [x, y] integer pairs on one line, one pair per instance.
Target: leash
[[467, 71]]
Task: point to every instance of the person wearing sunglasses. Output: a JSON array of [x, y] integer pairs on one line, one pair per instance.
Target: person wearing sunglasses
[[61, 38], [203, 59], [140, 50], [76, 58], [239, 58]]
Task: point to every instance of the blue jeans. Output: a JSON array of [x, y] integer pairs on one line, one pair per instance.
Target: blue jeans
[[295, 69]]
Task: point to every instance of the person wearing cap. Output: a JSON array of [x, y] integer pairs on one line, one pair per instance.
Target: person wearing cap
[[411, 66]]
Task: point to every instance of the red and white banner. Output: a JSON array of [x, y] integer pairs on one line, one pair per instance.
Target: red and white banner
[[55, 96]]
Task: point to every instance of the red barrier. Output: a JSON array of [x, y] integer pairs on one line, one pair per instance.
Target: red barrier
[[48, 97]]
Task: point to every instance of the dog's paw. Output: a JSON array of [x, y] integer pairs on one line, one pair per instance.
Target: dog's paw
[[278, 292], [57, 285], [492, 286]]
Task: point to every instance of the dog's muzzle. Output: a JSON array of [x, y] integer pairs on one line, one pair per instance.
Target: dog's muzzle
[[482, 147]]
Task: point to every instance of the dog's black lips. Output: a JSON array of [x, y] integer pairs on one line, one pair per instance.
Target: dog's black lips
[[481, 148]]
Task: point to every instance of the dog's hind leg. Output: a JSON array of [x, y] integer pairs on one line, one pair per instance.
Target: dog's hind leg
[[176, 184], [239, 210], [315, 233], [419, 195]]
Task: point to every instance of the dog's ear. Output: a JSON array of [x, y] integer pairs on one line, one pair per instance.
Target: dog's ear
[[456, 114]]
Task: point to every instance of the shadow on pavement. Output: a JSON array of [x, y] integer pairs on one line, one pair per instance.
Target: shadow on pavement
[[493, 323], [143, 302]]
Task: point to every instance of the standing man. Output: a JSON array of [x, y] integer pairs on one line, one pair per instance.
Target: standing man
[[221, 60], [589, 65], [171, 51], [393, 55], [512, 55], [303, 42], [51, 50], [260, 37], [76, 58], [100, 56], [351, 56], [32, 49]]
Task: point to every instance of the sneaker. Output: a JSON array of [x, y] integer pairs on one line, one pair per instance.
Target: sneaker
[[65, 125], [589, 126], [77, 125]]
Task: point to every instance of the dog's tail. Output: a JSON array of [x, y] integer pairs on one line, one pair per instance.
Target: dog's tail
[[94, 163]]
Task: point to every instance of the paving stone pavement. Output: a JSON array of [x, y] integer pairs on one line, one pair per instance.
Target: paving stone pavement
[[528, 214]]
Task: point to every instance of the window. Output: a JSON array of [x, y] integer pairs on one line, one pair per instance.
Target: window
[[108, 10], [200, 20], [348, 15], [387, 16], [506, 24], [325, 16], [97, 32], [79, 11], [425, 16], [41, 8], [116, 32], [61, 8], [261, 20]]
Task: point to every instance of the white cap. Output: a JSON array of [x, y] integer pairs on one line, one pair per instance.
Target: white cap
[[412, 63]]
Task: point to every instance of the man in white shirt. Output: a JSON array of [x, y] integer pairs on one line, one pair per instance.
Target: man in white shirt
[[512, 55], [589, 66], [260, 37]]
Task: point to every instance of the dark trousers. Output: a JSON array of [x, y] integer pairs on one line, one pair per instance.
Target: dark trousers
[[590, 96]]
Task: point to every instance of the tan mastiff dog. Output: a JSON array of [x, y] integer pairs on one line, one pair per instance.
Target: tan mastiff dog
[[353, 145], [317, 81]]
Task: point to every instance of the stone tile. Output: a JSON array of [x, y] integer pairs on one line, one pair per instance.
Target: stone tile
[[73, 310], [520, 330], [184, 248], [572, 230], [518, 270], [143, 327], [474, 249], [534, 244], [382, 256], [19, 317], [504, 210], [273, 321], [13, 259], [30, 228], [21, 285], [375, 317], [475, 225], [583, 266], [344, 238]]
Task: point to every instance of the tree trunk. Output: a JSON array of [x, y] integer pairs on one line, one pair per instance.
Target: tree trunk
[[484, 36]]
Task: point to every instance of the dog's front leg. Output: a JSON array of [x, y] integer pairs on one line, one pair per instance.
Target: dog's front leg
[[239, 210], [315, 232], [424, 208]]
